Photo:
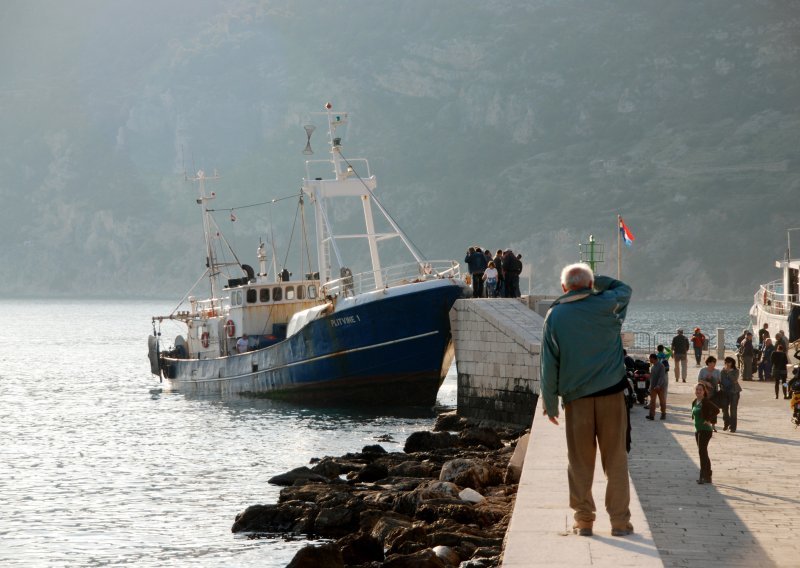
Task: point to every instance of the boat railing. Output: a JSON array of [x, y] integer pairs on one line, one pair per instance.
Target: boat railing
[[209, 308], [353, 284], [772, 299]]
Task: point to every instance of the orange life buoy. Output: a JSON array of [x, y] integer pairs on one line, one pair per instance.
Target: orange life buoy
[[231, 327], [204, 339]]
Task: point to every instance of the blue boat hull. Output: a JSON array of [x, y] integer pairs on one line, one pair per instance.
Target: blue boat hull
[[389, 350]]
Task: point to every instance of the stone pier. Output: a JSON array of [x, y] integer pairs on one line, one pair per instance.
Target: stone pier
[[497, 344]]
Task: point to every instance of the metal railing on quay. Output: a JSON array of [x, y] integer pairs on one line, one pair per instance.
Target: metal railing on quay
[[353, 284]]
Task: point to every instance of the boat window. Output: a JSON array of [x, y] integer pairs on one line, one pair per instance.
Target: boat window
[[277, 294], [265, 294], [252, 296], [239, 298], [301, 292], [312, 291], [290, 292]]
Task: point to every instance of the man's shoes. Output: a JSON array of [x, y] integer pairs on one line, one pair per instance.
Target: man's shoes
[[701, 481], [582, 529], [663, 416], [650, 417], [725, 428], [622, 531], [684, 380]]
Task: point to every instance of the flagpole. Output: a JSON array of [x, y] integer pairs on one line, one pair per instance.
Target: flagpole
[[619, 248]]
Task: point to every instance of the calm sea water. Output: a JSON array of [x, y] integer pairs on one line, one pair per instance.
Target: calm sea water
[[99, 467]]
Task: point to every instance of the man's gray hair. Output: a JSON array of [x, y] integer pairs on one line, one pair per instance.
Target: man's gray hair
[[577, 276]]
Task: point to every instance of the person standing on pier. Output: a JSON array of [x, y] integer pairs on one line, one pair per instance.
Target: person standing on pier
[[704, 414], [729, 393], [747, 357], [663, 355], [658, 387], [498, 264], [582, 362], [476, 264], [698, 342], [763, 334], [765, 365], [490, 280], [680, 350], [779, 363]]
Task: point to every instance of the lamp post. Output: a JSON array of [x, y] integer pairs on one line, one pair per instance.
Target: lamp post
[[592, 253]]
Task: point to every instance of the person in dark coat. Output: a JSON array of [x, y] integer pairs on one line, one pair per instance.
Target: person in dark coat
[[680, 349], [476, 264], [498, 264], [747, 357], [512, 266], [779, 363]]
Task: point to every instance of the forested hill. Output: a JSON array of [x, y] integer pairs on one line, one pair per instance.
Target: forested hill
[[522, 124]]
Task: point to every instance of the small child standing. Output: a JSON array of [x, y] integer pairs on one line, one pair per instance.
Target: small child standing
[[490, 276], [663, 354]]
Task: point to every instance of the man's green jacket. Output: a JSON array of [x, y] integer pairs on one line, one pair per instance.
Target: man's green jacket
[[581, 343]]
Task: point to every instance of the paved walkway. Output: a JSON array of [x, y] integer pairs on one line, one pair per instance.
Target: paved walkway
[[749, 517]]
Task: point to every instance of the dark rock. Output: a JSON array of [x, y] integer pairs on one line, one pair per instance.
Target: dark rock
[[449, 422], [323, 556], [447, 555], [287, 517], [373, 449], [413, 468], [476, 474], [486, 552], [426, 441], [372, 472], [360, 548], [311, 492], [388, 524], [385, 438], [328, 467], [301, 474], [335, 521], [480, 563], [423, 559], [486, 437], [407, 541], [409, 502]]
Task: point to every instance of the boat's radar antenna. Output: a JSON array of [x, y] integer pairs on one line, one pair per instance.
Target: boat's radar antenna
[[310, 128]]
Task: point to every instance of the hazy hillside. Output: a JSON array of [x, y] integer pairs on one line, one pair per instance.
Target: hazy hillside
[[528, 124]]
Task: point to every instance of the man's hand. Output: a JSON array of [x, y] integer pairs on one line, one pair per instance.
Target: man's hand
[[552, 419]]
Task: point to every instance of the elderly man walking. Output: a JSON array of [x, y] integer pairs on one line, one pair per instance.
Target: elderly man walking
[[582, 362]]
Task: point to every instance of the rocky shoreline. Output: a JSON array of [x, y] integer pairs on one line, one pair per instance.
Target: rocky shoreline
[[444, 501]]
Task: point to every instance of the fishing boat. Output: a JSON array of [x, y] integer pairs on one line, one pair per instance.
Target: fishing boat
[[777, 303], [336, 335]]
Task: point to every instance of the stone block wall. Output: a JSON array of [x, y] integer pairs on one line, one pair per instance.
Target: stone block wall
[[497, 345]]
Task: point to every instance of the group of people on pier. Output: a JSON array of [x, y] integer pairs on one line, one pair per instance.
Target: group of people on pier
[[582, 364], [719, 389], [494, 276], [769, 358]]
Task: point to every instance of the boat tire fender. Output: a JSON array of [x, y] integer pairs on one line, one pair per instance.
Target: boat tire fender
[[204, 339]]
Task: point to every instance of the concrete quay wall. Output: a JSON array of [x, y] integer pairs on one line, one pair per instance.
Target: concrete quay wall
[[497, 347]]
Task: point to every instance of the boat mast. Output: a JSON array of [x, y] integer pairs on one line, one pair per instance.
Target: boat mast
[[347, 182], [212, 269], [342, 173]]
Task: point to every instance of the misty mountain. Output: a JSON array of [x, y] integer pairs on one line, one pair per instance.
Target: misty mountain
[[522, 124]]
